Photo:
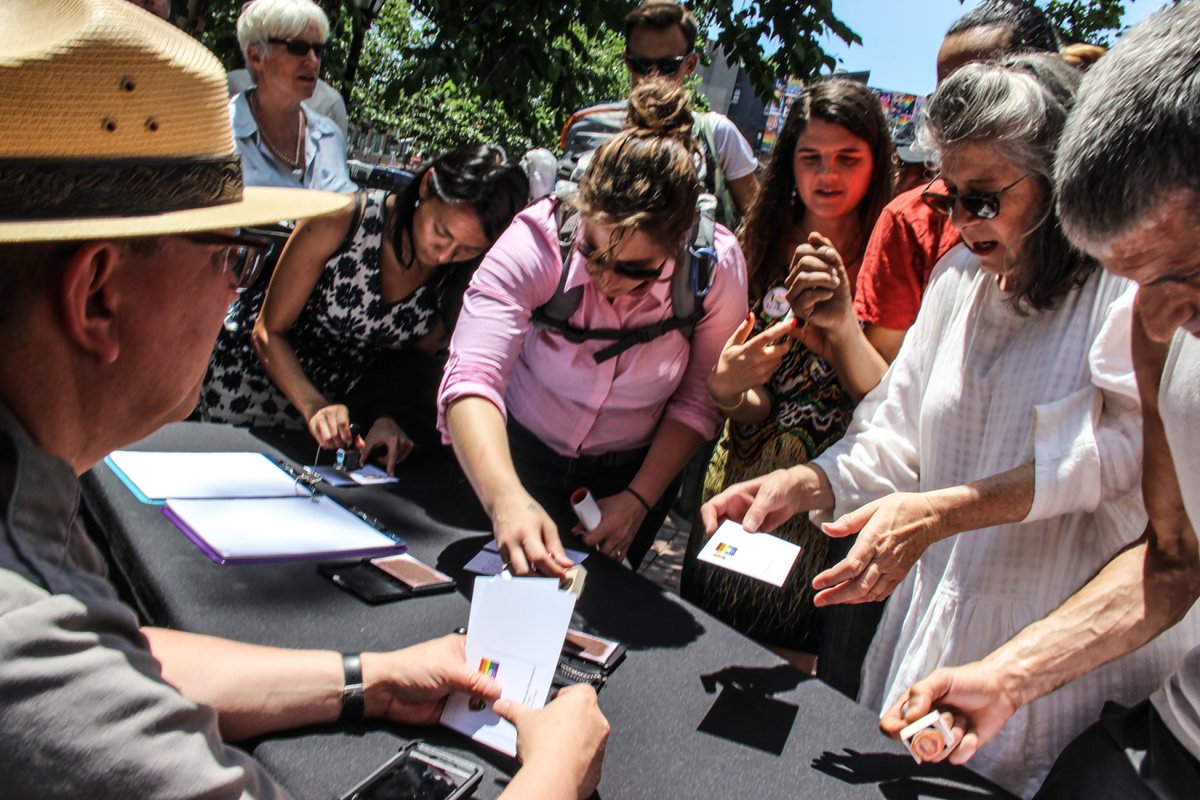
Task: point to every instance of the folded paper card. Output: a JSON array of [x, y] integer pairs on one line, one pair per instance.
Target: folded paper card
[[157, 477], [259, 530], [757, 555], [515, 634]]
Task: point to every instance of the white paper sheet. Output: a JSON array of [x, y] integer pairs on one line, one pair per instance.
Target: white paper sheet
[[516, 631], [489, 562], [757, 555], [287, 527], [163, 476]]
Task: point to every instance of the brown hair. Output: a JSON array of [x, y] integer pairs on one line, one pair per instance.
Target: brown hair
[[659, 15], [775, 209], [645, 177]]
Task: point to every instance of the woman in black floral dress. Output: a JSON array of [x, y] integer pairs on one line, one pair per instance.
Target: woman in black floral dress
[[340, 297]]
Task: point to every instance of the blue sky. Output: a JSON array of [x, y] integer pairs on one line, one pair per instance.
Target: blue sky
[[901, 39]]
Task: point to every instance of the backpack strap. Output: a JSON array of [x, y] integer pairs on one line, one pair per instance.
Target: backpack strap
[[702, 131], [360, 208], [691, 281]]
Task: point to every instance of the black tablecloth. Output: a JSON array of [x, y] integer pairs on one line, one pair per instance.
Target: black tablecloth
[[697, 710]]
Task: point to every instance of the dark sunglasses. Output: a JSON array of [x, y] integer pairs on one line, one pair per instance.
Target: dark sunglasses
[[243, 255], [648, 66], [299, 47], [633, 273], [985, 205]]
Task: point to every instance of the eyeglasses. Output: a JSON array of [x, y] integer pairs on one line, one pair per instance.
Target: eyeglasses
[[590, 255], [984, 205], [648, 66], [299, 47], [243, 254]]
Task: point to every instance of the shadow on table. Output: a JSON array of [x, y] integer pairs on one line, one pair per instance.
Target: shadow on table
[[745, 711], [900, 778]]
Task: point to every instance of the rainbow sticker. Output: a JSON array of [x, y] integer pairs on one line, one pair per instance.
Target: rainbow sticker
[[726, 550], [489, 667]]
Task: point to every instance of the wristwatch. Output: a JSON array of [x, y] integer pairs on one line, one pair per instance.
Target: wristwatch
[[353, 694]]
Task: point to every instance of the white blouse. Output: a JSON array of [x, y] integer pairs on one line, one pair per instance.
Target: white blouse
[[978, 389]]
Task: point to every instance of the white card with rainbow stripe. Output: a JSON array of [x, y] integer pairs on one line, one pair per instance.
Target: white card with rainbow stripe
[[515, 635], [757, 555]]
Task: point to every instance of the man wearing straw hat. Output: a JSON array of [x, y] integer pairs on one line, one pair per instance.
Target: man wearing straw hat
[[120, 200]]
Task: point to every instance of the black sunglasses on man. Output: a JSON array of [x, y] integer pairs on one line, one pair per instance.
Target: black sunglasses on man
[[650, 66]]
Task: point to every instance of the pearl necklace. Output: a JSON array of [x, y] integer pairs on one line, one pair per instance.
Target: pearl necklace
[[292, 163]]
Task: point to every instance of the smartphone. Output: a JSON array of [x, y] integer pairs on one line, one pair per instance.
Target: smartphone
[[419, 772], [420, 578], [364, 582]]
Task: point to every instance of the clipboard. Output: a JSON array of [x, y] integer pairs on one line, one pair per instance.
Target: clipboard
[[280, 529], [155, 477]]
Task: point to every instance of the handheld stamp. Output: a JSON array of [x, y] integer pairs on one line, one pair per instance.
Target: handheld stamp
[[928, 737]]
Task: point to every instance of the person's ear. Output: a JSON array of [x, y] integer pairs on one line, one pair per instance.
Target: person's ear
[[690, 65], [255, 55], [88, 299], [423, 189]]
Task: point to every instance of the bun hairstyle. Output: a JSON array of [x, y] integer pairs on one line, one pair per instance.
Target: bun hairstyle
[[646, 177]]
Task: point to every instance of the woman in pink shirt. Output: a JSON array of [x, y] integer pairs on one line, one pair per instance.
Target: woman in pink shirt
[[532, 415]]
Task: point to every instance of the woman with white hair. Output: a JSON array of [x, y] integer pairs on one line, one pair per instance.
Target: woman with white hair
[[996, 466], [281, 142]]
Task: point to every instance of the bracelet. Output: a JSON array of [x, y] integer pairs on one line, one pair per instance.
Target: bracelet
[[726, 409], [639, 498], [353, 695]]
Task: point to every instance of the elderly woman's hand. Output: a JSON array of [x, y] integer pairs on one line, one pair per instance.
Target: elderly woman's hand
[[893, 532], [819, 291]]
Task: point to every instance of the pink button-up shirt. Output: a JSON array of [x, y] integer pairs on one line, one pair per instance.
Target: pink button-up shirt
[[555, 388]]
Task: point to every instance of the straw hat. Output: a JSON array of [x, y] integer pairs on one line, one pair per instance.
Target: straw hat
[[114, 123]]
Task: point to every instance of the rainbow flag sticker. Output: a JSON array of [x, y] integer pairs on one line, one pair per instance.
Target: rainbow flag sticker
[[726, 550], [489, 667]]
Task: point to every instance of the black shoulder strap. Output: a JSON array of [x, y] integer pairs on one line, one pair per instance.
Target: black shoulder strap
[[360, 208]]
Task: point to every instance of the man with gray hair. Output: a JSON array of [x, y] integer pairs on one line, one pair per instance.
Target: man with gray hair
[[1128, 192]]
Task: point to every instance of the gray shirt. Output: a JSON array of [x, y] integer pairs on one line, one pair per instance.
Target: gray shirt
[[84, 710], [1178, 701]]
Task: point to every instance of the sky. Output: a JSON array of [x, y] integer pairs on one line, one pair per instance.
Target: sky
[[901, 39]]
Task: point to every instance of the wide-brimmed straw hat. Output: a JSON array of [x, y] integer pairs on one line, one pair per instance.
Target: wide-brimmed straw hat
[[113, 123]]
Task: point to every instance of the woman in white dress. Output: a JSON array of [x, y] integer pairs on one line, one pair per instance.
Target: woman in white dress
[[996, 466]]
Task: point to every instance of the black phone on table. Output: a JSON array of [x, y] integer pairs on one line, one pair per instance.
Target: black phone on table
[[419, 772]]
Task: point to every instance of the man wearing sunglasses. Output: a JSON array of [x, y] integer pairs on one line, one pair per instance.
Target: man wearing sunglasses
[[660, 42], [283, 140], [120, 252]]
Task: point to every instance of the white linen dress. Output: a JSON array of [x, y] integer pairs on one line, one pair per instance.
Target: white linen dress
[[977, 390]]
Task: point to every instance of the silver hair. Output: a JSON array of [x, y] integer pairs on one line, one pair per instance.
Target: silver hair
[[262, 20], [1133, 140], [1017, 106]]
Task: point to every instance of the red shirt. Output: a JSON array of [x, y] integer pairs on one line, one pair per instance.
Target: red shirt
[[908, 240]]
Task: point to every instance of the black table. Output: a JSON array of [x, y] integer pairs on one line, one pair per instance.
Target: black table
[[697, 709]]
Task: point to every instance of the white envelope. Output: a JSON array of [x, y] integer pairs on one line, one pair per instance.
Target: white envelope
[[516, 633], [756, 555]]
